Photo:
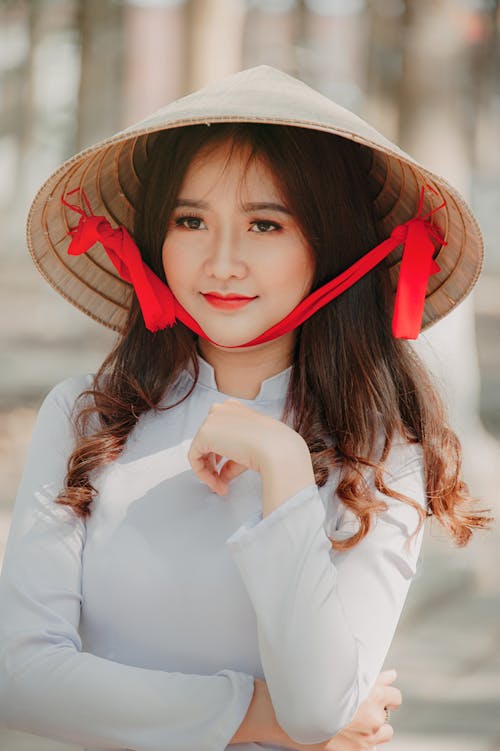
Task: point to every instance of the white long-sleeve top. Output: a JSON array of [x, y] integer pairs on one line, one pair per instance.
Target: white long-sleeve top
[[143, 626]]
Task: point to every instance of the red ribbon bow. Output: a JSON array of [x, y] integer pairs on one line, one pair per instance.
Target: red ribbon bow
[[156, 300], [417, 265], [160, 308]]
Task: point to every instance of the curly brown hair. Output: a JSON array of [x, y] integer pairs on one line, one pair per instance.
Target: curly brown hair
[[351, 380]]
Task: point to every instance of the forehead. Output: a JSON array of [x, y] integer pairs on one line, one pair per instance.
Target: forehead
[[229, 162]]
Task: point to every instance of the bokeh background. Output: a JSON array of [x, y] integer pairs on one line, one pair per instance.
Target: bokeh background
[[426, 73]]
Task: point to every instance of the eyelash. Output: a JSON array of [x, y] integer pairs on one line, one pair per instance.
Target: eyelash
[[178, 223]]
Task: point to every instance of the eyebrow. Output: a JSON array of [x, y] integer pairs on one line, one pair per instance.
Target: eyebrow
[[247, 207]]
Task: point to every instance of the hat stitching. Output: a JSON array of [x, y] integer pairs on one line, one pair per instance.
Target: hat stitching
[[458, 264], [69, 269], [92, 261], [389, 172]]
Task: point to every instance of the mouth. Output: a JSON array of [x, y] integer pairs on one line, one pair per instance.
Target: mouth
[[229, 303]]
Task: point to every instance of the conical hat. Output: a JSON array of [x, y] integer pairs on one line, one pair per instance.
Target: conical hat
[[107, 173]]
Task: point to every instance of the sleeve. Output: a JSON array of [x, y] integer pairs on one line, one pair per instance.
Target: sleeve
[[48, 686], [326, 618]]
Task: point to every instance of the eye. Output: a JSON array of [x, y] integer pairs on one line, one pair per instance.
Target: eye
[[179, 222], [266, 224]]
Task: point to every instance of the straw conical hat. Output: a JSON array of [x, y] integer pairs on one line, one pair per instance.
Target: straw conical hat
[[107, 172]]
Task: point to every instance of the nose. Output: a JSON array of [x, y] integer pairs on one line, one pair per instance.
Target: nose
[[225, 256]]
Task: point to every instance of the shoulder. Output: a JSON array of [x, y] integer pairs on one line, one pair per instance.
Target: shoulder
[[404, 458], [402, 471], [64, 394]]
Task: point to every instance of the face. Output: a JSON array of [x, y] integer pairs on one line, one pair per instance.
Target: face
[[234, 236]]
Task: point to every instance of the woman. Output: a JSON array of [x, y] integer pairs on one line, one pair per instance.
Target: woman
[[215, 535]]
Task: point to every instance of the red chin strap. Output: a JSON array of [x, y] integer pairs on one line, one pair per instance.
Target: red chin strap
[[161, 309]]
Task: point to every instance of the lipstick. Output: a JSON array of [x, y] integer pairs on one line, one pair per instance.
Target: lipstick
[[227, 303]]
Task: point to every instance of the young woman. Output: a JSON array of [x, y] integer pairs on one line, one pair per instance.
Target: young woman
[[215, 534]]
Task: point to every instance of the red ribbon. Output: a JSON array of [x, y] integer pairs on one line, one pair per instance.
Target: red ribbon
[[156, 300], [161, 309]]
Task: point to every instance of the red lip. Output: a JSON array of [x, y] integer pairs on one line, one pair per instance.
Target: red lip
[[226, 297], [227, 302]]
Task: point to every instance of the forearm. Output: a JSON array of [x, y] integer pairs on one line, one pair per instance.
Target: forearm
[[307, 648], [259, 724], [284, 475], [118, 705]]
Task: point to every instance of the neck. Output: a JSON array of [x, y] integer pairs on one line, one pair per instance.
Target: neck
[[240, 373]]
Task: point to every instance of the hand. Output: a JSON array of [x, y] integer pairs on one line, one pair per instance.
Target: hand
[[368, 727], [247, 438]]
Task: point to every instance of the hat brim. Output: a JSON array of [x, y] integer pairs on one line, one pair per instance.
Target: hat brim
[[108, 173]]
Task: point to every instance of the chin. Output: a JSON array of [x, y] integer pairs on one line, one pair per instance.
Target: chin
[[224, 340], [229, 336]]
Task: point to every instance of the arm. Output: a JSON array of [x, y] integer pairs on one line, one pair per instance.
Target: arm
[[326, 618], [259, 724], [48, 686]]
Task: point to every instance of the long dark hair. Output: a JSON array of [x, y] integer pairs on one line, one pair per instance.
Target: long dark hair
[[351, 380]]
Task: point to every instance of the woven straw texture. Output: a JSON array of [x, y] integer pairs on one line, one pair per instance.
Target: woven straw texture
[[108, 173]]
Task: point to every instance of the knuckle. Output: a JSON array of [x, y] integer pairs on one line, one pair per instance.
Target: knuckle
[[377, 722], [373, 724], [384, 735]]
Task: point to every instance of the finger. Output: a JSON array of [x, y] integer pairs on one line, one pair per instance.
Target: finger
[[213, 461], [230, 470], [210, 478], [392, 697], [384, 735], [203, 467], [219, 485], [386, 677]]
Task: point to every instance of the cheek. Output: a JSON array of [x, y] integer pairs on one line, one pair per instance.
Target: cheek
[[298, 272], [176, 271]]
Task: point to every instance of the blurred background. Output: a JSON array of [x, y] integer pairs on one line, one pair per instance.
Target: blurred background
[[427, 75]]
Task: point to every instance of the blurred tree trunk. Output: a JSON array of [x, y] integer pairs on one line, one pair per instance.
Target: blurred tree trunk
[[47, 100], [334, 52], [384, 66], [215, 40], [156, 56], [270, 31], [484, 37], [437, 121], [14, 123], [100, 97]]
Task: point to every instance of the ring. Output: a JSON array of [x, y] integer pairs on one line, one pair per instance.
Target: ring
[[387, 714]]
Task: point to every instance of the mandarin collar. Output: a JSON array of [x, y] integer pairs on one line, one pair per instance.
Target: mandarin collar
[[272, 388]]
